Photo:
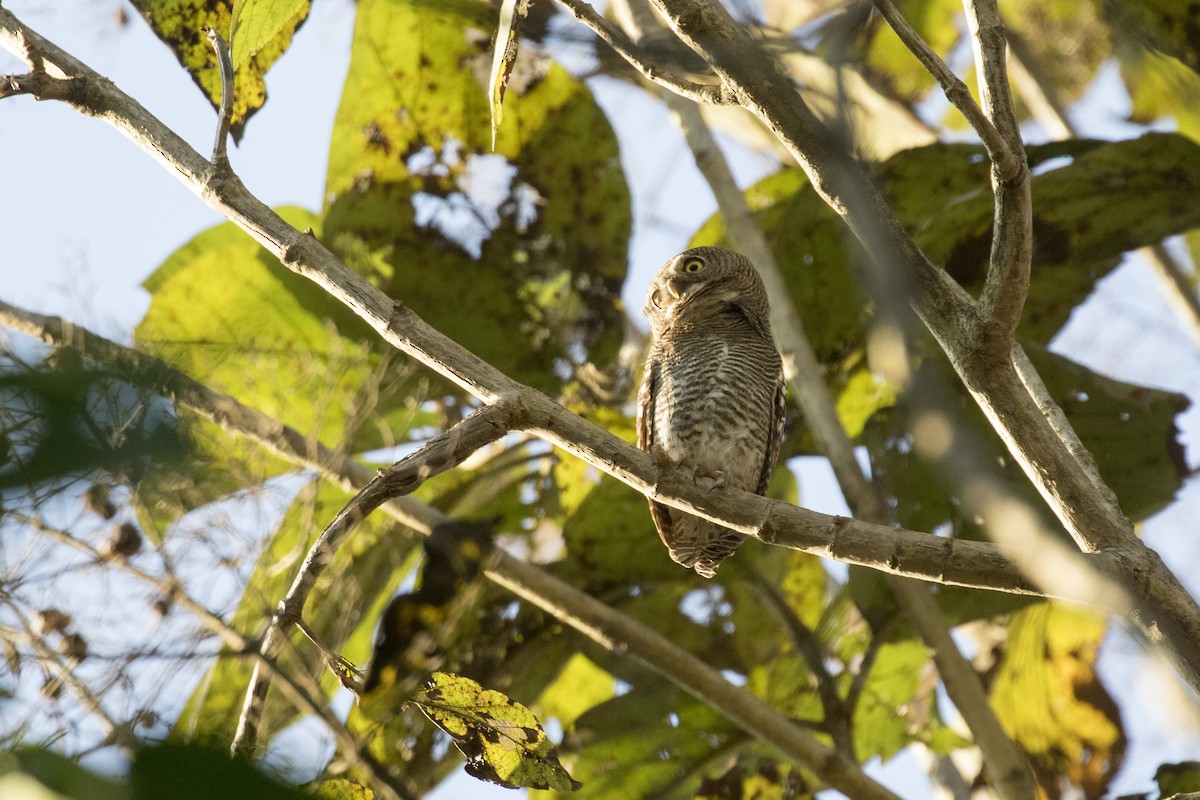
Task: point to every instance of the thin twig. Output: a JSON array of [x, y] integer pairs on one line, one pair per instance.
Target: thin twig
[[708, 93], [303, 696], [955, 89], [1007, 283], [119, 734], [441, 453], [220, 156], [837, 713]]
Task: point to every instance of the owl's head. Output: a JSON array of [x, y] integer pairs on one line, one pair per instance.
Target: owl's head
[[706, 280]]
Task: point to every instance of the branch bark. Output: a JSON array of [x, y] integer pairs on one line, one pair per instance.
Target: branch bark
[[1009, 391], [607, 627], [1006, 764], [897, 551]]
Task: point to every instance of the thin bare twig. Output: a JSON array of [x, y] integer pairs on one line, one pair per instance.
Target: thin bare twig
[[441, 453], [956, 91], [302, 695], [1007, 283], [220, 156], [708, 93]]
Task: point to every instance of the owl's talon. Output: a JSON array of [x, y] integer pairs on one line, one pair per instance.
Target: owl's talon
[[708, 481]]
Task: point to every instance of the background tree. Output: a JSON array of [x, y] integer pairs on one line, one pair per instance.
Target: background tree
[[466, 268]]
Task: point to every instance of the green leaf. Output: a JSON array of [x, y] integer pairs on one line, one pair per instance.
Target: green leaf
[[898, 704], [505, 57], [1093, 201], [1161, 87], [654, 741], [263, 26], [937, 22], [1178, 778], [579, 686], [502, 740], [343, 789], [1167, 25], [268, 28], [531, 238], [64, 419], [757, 778], [1130, 430], [611, 537], [34, 773], [1050, 700], [225, 311], [189, 772]]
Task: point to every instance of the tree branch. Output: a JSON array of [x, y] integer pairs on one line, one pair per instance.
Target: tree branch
[[956, 91], [220, 155], [443, 452], [1007, 282], [607, 627], [1006, 764], [707, 93], [1011, 395], [896, 551]]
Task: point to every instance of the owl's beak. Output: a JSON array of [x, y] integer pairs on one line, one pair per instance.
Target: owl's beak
[[674, 289]]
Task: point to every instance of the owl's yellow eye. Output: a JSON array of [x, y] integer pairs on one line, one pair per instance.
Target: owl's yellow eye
[[693, 265]]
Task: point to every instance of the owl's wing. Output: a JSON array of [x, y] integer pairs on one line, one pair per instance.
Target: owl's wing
[[645, 441], [774, 435]]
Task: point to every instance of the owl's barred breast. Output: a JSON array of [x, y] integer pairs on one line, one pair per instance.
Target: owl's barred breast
[[715, 401]]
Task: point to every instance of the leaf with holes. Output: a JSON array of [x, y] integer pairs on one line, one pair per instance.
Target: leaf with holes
[[502, 740], [265, 28]]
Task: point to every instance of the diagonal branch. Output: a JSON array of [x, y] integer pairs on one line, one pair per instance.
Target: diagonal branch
[[1006, 764], [1007, 282], [607, 627], [1009, 391], [897, 551], [956, 91], [441, 453], [709, 93]]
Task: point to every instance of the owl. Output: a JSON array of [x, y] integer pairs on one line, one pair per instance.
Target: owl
[[712, 396]]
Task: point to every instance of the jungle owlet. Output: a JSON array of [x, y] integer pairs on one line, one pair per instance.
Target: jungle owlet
[[712, 395]]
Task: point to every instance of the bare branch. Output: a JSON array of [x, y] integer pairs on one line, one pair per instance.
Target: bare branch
[[893, 550], [301, 690], [220, 156], [955, 90], [711, 94], [622, 634], [1010, 394], [441, 453], [608, 627], [1012, 778], [1007, 283]]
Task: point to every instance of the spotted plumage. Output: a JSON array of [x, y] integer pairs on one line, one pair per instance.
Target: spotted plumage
[[712, 394]]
